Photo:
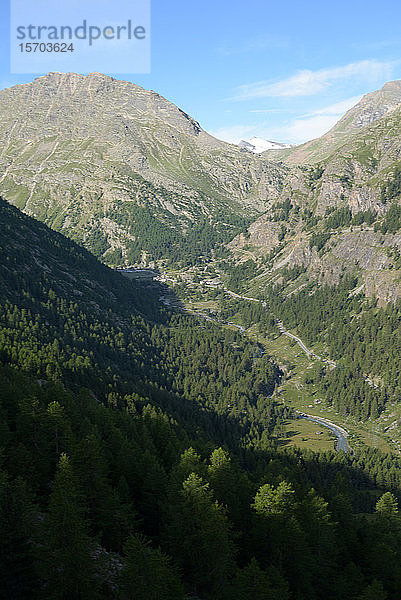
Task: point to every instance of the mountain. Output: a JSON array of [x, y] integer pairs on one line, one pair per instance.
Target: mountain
[[123, 170], [338, 210], [259, 145], [371, 108], [137, 181]]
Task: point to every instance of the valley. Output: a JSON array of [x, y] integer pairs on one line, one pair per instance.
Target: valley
[[202, 296], [199, 352]]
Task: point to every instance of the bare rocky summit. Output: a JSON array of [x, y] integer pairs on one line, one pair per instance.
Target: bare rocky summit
[[81, 152]]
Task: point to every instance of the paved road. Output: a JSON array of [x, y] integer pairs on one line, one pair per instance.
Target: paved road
[[340, 433], [298, 340], [282, 329]]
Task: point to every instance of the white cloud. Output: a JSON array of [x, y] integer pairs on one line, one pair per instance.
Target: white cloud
[[297, 131], [302, 130], [234, 133], [308, 83], [339, 108], [316, 123]]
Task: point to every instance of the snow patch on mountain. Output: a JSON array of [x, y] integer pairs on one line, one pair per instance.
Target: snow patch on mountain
[[258, 145]]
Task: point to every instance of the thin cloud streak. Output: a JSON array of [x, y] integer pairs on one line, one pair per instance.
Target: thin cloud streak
[[338, 108], [308, 83]]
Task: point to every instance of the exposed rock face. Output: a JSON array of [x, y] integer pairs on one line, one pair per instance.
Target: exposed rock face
[[346, 168], [356, 157], [74, 148], [385, 286], [359, 250], [262, 235], [373, 106]]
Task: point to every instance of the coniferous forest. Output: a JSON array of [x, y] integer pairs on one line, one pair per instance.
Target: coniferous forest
[[138, 451]]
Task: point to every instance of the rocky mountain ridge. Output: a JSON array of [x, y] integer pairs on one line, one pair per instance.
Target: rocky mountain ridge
[[352, 173], [368, 110], [82, 153], [137, 180]]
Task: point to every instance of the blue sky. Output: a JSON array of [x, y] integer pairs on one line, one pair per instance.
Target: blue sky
[[280, 70]]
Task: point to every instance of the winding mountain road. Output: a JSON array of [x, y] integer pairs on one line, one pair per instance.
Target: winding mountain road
[[282, 329], [298, 340], [340, 433]]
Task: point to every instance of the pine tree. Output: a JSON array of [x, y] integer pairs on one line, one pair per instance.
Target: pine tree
[[230, 485], [387, 504], [199, 536], [17, 561], [258, 584], [274, 501], [69, 570], [148, 573]]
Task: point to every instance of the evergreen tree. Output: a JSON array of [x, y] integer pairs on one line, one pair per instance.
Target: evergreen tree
[[274, 501], [199, 535], [18, 575], [257, 584], [230, 485], [148, 573], [68, 559], [387, 504]]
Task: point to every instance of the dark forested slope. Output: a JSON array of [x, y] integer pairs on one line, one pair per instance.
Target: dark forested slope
[[136, 456]]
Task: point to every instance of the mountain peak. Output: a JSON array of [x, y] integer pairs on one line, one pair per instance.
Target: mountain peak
[[370, 108], [78, 145], [392, 85], [80, 105]]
